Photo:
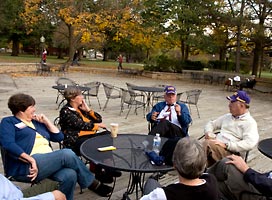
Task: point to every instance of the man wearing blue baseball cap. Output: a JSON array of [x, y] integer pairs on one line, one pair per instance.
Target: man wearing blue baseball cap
[[170, 118], [238, 130]]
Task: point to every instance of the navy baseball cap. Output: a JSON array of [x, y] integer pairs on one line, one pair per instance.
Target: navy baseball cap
[[241, 96], [170, 90]]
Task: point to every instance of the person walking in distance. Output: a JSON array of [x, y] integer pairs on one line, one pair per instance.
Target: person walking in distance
[[120, 61], [76, 58], [44, 56]]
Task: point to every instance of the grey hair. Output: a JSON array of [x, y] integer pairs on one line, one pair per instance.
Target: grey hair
[[189, 158], [71, 92]]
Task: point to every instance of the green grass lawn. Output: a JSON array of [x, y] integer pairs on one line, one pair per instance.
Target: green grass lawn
[[52, 59], [266, 74]]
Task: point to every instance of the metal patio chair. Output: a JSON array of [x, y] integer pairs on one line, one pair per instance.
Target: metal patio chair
[[129, 98], [63, 68], [63, 81], [111, 92], [134, 92], [192, 99], [158, 96], [93, 92]]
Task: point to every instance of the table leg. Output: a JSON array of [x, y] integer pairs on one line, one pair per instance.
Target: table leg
[[136, 181], [113, 186], [148, 101]]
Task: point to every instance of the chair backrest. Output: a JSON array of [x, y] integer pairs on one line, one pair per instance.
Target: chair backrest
[[108, 89], [129, 86], [127, 96], [196, 76], [56, 122], [179, 94], [132, 92], [94, 87], [63, 67], [159, 95], [3, 156], [63, 81], [193, 96]]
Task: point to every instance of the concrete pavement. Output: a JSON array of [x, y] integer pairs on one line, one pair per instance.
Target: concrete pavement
[[212, 103]]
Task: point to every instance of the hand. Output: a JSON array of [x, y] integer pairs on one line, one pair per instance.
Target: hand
[[210, 135], [207, 136], [41, 118], [220, 144], [217, 142], [59, 195], [84, 106], [101, 125], [154, 116], [178, 109], [238, 162], [33, 170]]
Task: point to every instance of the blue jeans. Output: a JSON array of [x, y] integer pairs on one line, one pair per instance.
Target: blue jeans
[[65, 167], [150, 185]]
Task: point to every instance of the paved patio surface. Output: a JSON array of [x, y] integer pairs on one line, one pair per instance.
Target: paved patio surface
[[212, 103]]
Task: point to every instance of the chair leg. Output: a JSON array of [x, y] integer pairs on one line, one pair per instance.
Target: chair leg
[[135, 111], [98, 102], [88, 99], [57, 98], [106, 104], [122, 108], [128, 111], [190, 109], [197, 111], [144, 110]]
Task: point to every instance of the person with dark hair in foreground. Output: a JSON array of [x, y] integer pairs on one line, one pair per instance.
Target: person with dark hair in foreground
[[189, 160], [26, 135], [236, 180]]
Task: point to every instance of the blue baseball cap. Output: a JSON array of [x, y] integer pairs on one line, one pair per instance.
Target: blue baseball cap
[[170, 90], [241, 96]]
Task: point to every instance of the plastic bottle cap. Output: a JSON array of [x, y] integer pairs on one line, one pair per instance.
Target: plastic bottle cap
[[157, 134]]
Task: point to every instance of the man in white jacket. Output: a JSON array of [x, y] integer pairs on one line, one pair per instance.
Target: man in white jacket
[[238, 130]]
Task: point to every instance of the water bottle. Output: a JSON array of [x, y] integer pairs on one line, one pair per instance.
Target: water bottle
[[156, 143]]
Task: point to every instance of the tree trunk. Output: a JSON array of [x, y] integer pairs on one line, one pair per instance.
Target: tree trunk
[[261, 62], [15, 47], [182, 49], [187, 47], [60, 51], [105, 54], [147, 54], [256, 58], [71, 42], [238, 49]]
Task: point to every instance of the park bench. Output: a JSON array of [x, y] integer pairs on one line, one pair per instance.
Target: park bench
[[133, 72], [43, 69]]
